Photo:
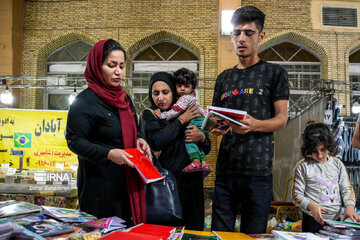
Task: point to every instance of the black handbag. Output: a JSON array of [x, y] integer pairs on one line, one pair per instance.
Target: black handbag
[[162, 200]]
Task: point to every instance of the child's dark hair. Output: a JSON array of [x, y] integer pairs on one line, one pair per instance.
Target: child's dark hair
[[315, 134], [249, 14], [185, 76], [110, 46]]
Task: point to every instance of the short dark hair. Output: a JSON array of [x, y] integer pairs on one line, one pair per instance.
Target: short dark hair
[[110, 46], [315, 134], [249, 14], [184, 76]]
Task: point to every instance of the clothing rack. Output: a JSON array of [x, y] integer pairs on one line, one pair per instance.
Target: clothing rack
[[350, 121], [349, 155]]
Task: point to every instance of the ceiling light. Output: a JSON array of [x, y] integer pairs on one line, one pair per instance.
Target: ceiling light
[[72, 96], [6, 97]]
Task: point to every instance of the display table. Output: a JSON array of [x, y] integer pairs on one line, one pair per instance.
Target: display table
[[223, 235]]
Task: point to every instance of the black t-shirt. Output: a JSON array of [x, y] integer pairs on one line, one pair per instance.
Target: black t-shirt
[[254, 89]]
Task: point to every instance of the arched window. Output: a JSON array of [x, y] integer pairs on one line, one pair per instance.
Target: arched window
[[65, 67], [165, 56], [303, 67], [354, 72]]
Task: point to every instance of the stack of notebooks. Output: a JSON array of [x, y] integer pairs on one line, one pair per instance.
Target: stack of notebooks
[[284, 235], [68, 215], [148, 232], [341, 230], [13, 208], [331, 231], [22, 218]]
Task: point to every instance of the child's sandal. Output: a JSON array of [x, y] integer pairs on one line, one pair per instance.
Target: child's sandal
[[192, 167], [206, 170]]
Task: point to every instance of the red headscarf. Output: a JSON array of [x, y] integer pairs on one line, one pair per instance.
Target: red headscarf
[[116, 97]]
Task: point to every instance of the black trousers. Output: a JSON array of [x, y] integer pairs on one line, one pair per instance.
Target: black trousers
[[309, 224], [253, 193]]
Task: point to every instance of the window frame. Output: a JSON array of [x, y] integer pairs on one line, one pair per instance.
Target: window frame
[[334, 26]]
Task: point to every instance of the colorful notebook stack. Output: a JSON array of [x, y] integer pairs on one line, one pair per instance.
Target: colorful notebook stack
[[67, 214], [341, 230], [105, 224], [284, 235], [148, 232]]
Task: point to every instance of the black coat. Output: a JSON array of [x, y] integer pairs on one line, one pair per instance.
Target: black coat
[[93, 129], [169, 137]]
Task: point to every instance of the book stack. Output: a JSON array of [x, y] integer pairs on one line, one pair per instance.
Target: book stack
[[105, 224], [341, 230], [14, 208], [284, 235], [67, 214], [148, 232]]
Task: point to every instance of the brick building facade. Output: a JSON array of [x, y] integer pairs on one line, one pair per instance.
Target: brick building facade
[[49, 25]]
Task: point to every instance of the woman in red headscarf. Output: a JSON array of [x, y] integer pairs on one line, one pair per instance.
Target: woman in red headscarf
[[101, 122]]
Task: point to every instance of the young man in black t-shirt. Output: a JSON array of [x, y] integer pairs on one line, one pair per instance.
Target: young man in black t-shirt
[[244, 164]]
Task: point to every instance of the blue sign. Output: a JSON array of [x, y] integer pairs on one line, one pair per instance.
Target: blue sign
[[17, 152]]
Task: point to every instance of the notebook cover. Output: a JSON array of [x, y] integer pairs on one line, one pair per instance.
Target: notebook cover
[[146, 169]]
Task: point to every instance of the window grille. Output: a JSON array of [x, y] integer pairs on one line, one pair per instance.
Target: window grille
[[339, 16]]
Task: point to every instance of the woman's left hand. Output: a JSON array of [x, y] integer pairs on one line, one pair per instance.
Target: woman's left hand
[[351, 213], [144, 147], [193, 134]]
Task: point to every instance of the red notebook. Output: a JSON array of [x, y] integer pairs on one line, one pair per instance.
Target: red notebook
[[161, 231], [142, 232], [146, 169], [129, 236]]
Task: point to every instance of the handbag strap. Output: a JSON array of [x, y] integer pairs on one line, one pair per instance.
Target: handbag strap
[[157, 164], [156, 153]]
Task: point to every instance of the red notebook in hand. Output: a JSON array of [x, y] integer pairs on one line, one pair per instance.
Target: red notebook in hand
[[231, 113], [146, 169]]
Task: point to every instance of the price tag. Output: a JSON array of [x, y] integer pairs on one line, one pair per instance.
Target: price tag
[[328, 117], [5, 165]]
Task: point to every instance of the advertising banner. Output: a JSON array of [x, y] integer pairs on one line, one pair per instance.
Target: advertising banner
[[34, 139]]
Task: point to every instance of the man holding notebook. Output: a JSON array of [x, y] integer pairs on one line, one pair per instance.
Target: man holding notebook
[[244, 164]]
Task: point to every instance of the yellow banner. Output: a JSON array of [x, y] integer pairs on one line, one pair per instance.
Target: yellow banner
[[37, 134]]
